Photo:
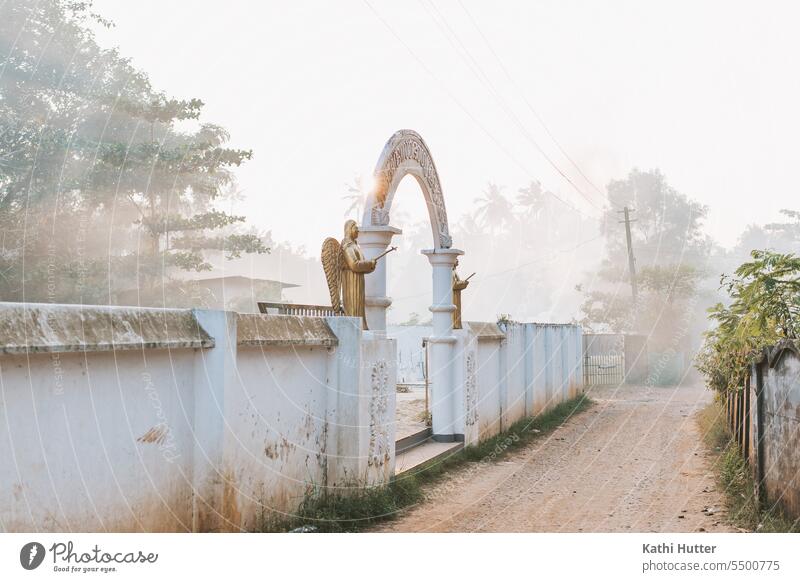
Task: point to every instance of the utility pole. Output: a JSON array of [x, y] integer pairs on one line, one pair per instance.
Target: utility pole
[[631, 259]]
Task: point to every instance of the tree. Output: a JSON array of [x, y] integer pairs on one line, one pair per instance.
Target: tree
[[668, 225], [670, 248], [766, 291], [493, 209], [785, 235], [172, 179], [764, 295], [673, 282], [90, 158], [782, 237], [356, 196], [533, 199], [50, 93]]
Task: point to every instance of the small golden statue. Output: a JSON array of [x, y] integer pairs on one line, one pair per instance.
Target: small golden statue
[[345, 266], [458, 286]]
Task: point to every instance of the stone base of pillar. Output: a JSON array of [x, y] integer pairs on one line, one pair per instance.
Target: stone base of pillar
[[448, 438]]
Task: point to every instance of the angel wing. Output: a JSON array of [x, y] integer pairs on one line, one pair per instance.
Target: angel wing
[[332, 265]]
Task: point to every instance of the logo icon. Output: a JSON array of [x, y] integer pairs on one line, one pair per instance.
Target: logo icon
[[31, 555]]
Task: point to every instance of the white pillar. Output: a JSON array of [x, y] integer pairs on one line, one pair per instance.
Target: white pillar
[[442, 342], [214, 375], [373, 241]]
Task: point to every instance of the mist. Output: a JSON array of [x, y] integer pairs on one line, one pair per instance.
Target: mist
[[122, 184]]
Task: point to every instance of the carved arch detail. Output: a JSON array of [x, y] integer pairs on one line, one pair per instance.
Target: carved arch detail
[[407, 153]]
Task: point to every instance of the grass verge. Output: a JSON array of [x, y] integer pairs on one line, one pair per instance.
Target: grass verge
[[363, 507], [735, 477]]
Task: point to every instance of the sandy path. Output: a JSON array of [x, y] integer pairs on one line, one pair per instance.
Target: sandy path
[[409, 415], [633, 462]]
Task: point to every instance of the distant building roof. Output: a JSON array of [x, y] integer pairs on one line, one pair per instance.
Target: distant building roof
[[241, 278]]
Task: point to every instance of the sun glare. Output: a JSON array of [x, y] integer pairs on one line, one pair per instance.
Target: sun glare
[[368, 183]]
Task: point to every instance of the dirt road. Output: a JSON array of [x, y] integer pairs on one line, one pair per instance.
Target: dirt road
[[633, 462]]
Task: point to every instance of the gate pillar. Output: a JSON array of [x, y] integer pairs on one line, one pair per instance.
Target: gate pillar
[[442, 342], [373, 241]]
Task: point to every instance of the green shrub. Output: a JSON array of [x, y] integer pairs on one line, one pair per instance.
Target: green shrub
[[764, 308]]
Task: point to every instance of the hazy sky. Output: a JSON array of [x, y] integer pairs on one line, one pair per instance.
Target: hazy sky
[[707, 91]]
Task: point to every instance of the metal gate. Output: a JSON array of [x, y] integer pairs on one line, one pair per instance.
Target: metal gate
[[603, 359], [603, 369]]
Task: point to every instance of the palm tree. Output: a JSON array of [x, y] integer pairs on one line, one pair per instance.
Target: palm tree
[[533, 199], [356, 196], [468, 227], [493, 210]]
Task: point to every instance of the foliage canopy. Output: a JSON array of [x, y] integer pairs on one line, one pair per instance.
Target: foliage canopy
[[106, 183], [764, 308]]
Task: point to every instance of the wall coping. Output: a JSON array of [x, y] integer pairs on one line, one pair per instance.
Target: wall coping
[[256, 329], [27, 328], [552, 324], [774, 354], [486, 330], [601, 333]]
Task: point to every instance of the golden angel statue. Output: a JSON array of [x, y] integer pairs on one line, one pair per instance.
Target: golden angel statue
[[345, 266], [458, 286]]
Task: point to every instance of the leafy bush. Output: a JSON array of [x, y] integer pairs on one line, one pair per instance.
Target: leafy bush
[[764, 308]]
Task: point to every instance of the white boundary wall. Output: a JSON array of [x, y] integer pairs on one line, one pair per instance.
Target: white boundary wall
[[127, 419], [515, 372], [123, 419]]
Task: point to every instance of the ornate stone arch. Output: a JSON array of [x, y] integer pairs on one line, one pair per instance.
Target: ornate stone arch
[[407, 153]]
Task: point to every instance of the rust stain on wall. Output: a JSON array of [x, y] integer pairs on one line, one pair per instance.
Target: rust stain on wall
[[156, 435], [230, 503]]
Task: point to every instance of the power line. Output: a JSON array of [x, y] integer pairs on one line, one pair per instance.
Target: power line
[[483, 77], [466, 111], [552, 256], [528, 103]]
